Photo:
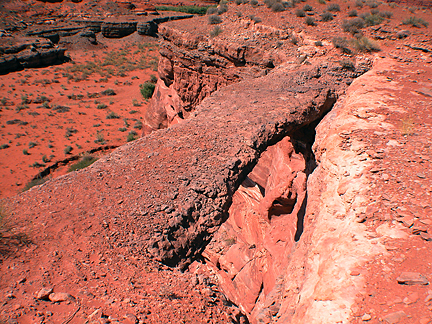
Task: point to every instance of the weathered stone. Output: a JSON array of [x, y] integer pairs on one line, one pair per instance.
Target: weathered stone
[[412, 278], [395, 317], [60, 297], [44, 293]]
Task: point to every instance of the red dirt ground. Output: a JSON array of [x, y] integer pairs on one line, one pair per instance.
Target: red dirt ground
[[163, 294]]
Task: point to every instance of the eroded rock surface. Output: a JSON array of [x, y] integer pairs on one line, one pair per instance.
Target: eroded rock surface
[[193, 65]]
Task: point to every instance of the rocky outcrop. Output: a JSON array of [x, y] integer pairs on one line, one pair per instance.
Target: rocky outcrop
[[193, 65], [118, 29], [30, 53], [145, 26]]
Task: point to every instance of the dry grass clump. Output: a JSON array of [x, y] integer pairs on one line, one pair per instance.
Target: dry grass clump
[[416, 22]]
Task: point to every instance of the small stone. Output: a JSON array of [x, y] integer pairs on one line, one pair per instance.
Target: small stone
[[366, 317], [95, 315], [428, 298], [130, 319], [408, 221], [59, 297], [421, 175], [395, 317], [425, 236], [355, 273], [411, 298], [44, 293], [385, 177], [412, 278]]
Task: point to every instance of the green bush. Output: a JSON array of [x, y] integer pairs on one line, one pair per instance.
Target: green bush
[[359, 3], [35, 182], [83, 163], [101, 106], [131, 136], [68, 149], [109, 92], [415, 22], [112, 115], [147, 89], [307, 8]]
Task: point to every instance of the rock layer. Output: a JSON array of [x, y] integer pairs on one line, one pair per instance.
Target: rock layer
[[30, 53], [193, 65]]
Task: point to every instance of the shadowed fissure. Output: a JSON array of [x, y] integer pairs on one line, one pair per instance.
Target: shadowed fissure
[[252, 247]]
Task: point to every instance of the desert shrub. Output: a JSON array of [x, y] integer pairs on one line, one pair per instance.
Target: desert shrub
[[333, 7], [307, 8], [131, 136], [386, 14], [310, 21], [215, 31], [10, 236], [326, 16], [35, 182], [374, 11], [278, 7], [25, 152], [211, 11], [352, 13], [238, 2], [372, 3], [342, 43], [347, 65], [364, 44], [372, 20], [85, 161], [153, 78], [254, 3], [321, 1], [109, 92], [147, 89], [101, 106], [214, 20], [300, 13], [195, 10], [112, 115], [353, 25], [222, 9], [32, 144], [4, 146], [415, 22], [318, 43], [359, 3], [68, 149]]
